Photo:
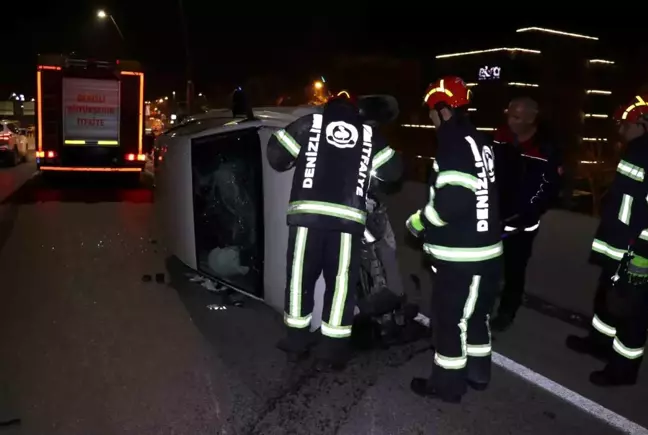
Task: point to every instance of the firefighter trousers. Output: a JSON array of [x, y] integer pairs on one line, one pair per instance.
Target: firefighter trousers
[[461, 306], [336, 255], [517, 252], [621, 320]]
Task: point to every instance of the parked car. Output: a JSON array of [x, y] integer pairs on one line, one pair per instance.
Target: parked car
[[13, 144]]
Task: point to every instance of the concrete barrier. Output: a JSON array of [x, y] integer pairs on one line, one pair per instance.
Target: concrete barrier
[[558, 271]]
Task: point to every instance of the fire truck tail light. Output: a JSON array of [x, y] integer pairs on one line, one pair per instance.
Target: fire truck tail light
[[134, 157]]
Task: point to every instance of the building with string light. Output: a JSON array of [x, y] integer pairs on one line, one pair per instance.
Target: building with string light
[[569, 74]]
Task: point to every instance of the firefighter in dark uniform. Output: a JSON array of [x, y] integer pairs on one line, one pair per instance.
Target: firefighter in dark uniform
[[528, 178], [460, 227], [620, 247], [334, 154]]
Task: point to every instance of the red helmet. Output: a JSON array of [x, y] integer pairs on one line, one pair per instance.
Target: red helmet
[[451, 91], [632, 112]]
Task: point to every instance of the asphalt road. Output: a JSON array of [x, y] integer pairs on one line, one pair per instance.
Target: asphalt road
[[89, 347]]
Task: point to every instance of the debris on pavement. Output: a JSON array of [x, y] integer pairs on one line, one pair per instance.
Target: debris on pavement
[[216, 307], [206, 283], [146, 278], [159, 278]]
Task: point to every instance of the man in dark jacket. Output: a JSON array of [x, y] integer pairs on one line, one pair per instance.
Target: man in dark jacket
[[528, 176], [334, 155], [620, 248], [460, 227]]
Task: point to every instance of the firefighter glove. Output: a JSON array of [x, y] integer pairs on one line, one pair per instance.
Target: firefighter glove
[[414, 224], [638, 270]]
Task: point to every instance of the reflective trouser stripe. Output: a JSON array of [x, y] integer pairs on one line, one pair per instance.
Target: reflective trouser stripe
[[603, 327], [297, 322], [328, 209], [334, 327], [450, 363], [479, 349], [464, 254], [607, 250], [336, 331], [288, 142], [626, 352], [456, 363], [626, 208], [293, 317]]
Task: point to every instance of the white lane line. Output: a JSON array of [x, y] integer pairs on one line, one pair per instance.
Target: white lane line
[[583, 403], [602, 413]]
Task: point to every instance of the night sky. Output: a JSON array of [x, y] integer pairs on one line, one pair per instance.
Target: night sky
[[228, 45]]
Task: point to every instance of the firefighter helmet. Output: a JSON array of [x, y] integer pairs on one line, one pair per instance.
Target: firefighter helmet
[[449, 91], [636, 111]]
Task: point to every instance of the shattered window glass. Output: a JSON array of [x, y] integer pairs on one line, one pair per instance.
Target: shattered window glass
[[228, 208]]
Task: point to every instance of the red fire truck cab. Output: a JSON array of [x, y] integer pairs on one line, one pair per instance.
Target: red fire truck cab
[[90, 115]]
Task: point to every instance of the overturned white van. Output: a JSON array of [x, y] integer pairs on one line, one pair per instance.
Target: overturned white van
[[221, 208]]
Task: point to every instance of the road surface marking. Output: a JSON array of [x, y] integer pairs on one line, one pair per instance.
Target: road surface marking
[[602, 413], [586, 405]]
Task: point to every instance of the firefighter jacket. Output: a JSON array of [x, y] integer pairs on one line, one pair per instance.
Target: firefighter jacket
[[460, 224], [528, 178], [334, 155], [624, 213]]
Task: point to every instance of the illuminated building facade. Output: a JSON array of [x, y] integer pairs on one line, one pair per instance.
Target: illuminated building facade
[[571, 76]]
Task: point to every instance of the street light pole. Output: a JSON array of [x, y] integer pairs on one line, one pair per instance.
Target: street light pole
[[190, 88], [118, 29], [101, 14]]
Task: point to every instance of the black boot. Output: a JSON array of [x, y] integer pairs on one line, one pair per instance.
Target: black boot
[[589, 346], [612, 378], [333, 354], [424, 388], [478, 373], [296, 344]]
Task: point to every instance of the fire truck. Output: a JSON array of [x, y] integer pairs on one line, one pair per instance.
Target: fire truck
[[89, 115]]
